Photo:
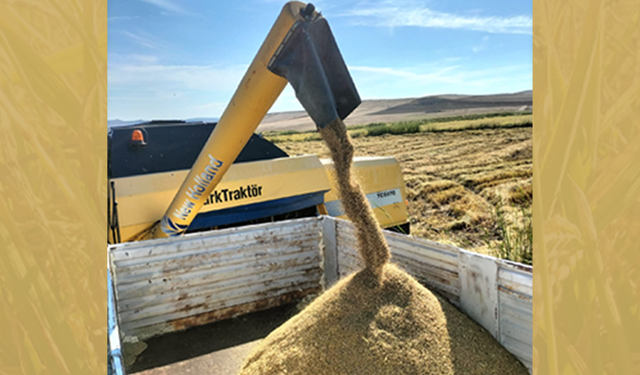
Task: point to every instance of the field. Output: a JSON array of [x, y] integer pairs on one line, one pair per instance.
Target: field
[[468, 179]]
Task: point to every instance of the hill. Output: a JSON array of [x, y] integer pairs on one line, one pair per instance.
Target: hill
[[392, 110]]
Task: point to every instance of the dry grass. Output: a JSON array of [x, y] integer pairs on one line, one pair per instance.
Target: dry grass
[[455, 180]]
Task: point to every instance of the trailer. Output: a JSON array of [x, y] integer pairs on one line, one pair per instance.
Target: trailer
[[173, 284]]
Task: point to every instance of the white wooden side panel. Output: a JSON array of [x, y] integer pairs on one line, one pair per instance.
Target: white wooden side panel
[[433, 264], [329, 251], [479, 289], [171, 284], [515, 292]]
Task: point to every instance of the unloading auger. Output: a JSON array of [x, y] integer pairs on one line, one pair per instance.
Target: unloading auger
[[299, 49]]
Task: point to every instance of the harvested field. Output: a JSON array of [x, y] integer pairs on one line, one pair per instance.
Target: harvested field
[[470, 188]]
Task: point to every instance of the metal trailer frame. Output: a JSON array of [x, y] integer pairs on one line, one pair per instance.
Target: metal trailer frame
[[172, 284], [115, 360]]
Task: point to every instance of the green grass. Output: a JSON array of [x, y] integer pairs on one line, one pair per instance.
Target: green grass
[[288, 132], [481, 126], [374, 130], [515, 242], [498, 120], [475, 116]]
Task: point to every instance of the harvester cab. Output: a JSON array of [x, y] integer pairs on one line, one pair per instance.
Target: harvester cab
[[166, 177]]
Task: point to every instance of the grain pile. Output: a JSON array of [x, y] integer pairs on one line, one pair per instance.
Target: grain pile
[[379, 320]]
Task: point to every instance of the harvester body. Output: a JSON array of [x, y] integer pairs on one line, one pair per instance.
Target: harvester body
[[263, 183]]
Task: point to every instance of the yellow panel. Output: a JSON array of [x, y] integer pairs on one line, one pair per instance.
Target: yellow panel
[[376, 175], [142, 200]]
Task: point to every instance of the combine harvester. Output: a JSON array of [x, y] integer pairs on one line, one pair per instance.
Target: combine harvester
[[148, 162], [187, 247]]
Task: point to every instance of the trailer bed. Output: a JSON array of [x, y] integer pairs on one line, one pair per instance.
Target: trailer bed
[[215, 348], [177, 294]]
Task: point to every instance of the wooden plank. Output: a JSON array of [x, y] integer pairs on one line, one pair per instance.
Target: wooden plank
[[515, 291], [329, 252], [219, 238], [141, 297], [144, 332], [419, 248], [156, 254], [479, 291], [208, 260], [221, 294], [210, 307]]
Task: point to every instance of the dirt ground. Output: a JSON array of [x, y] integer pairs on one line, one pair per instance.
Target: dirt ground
[[468, 188]]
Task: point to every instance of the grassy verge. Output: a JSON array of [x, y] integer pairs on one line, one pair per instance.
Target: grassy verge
[[373, 130], [514, 241], [500, 120]]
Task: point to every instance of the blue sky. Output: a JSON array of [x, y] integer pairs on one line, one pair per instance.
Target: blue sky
[[184, 59]]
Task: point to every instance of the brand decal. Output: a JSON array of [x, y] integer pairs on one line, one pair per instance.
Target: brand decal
[[194, 193], [388, 193], [229, 195], [171, 228], [376, 200]]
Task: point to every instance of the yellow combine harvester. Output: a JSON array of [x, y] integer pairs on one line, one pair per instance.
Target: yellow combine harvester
[[166, 177], [263, 184]]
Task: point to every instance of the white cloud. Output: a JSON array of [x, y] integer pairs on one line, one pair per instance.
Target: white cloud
[[145, 40], [131, 58], [121, 18], [146, 74], [167, 5], [399, 14], [438, 76]]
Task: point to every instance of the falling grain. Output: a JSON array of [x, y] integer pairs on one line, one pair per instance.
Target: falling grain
[[371, 243]]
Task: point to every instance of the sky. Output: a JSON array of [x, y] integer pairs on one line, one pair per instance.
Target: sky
[[178, 59]]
